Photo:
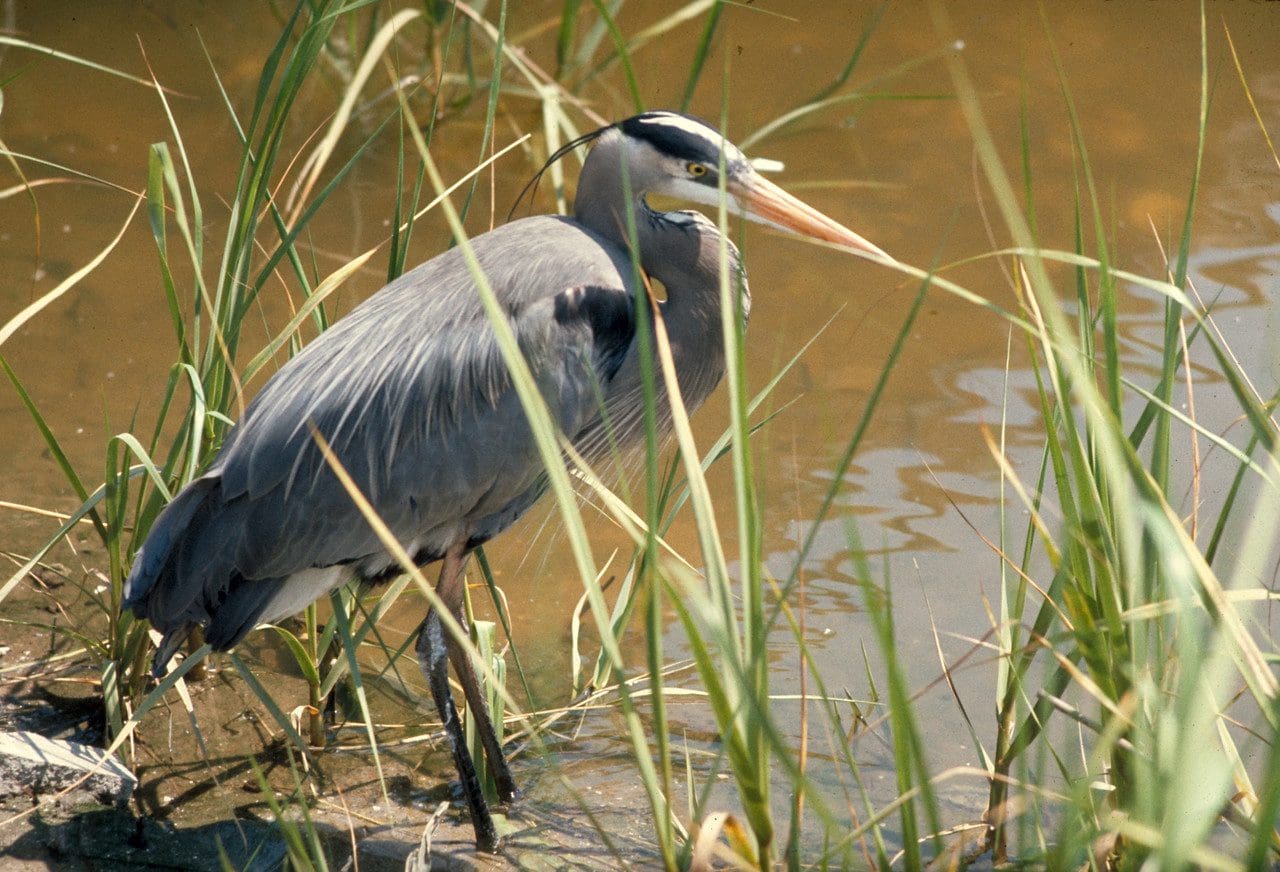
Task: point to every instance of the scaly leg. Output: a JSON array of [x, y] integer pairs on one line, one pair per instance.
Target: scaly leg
[[478, 708], [451, 591], [433, 650]]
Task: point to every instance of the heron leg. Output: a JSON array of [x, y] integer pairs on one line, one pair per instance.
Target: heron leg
[[433, 650], [478, 708], [477, 705]]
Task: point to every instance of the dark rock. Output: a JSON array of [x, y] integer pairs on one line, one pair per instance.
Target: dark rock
[[35, 766]]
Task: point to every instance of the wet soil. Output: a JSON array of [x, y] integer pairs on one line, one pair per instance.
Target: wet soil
[[188, 780]]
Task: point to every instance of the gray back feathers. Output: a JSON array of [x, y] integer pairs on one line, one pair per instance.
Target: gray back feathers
[[413, 395]]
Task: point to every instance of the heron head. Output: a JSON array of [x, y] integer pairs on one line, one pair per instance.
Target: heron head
[[677, 155]]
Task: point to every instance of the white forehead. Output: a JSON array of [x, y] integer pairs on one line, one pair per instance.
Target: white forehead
[[709, 135]]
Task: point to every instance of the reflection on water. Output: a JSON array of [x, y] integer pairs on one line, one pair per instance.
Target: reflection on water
[[900, 171]]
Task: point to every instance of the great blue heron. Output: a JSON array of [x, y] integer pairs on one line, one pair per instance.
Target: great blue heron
[[412, 393]]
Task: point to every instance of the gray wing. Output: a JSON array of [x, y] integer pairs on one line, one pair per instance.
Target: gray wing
[[412, 393]]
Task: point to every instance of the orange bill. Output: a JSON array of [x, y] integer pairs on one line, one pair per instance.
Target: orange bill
[[766, 201]]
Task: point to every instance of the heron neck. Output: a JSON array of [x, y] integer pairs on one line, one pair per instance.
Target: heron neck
[[671, 251], [605, 194], [680, 249]]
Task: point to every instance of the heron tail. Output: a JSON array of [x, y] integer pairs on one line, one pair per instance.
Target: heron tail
[[154, 557], [148, 591]]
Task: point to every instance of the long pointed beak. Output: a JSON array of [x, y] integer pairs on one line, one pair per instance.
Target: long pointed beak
[[766, 202]]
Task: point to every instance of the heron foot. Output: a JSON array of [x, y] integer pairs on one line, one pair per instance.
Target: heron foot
[[487, 840]]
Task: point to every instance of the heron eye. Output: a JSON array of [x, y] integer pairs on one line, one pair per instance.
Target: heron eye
[[697, 170]]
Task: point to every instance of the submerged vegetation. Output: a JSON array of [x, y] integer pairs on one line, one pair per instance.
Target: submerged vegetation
[[1131, 710]]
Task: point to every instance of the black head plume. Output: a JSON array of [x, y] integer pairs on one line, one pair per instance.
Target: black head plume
[[560, 152]]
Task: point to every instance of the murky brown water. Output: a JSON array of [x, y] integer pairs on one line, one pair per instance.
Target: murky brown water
[[900, 171]]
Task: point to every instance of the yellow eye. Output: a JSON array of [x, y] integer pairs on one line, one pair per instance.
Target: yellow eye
[[696, 169]]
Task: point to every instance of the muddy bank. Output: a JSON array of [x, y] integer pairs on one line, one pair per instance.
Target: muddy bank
[[191, 804]]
